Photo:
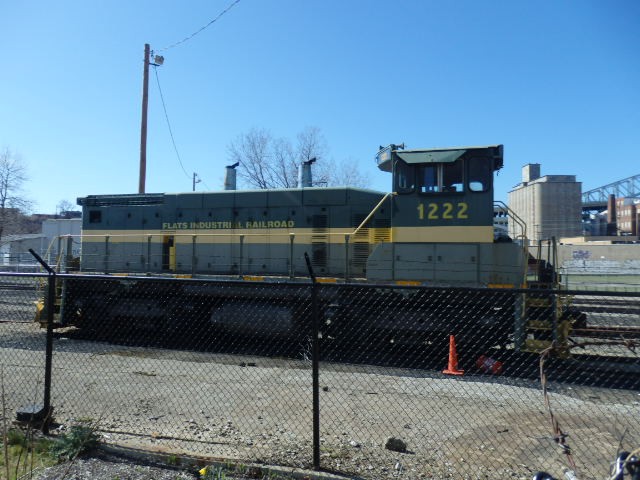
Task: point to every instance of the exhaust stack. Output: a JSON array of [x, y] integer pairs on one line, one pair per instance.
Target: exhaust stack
[[230, 176], [305, 179]]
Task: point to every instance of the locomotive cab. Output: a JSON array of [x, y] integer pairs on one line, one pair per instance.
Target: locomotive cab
[[442, 219]]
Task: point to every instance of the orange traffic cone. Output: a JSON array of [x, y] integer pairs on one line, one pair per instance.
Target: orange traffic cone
[[452, 369]]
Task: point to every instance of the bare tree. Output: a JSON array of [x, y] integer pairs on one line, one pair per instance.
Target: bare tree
[[252, 151], [328, 172], [267, 162], [346, 173], [285, 163], [311, 143], [64, 207], [13, 174]]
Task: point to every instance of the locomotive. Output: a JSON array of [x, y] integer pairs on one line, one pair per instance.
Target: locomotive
[[435, 228]]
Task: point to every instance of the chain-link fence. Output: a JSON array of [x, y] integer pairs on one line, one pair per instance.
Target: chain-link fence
[[403, 382]]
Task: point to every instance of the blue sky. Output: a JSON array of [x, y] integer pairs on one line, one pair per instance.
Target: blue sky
[[556, 82]]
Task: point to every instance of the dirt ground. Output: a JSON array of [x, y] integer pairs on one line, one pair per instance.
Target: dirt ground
[[259, 409], [105, 465]]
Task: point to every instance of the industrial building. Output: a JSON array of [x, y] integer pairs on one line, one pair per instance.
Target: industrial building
[[626, 216], [620, 222], [549, 205]]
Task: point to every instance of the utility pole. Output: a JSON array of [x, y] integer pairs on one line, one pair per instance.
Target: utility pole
[[196, 179], [157, 61], [143, 126]]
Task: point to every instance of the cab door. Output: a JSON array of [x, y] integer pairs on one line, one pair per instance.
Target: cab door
[[168, 253]]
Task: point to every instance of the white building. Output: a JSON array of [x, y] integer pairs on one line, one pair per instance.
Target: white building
[[14, 251], [500, 222], [55, 232], [549, 205], [56, 235]]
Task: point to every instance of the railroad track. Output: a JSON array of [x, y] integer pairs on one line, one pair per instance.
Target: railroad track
[[609, 318], [605, 300], [18, 286], [607, 332]]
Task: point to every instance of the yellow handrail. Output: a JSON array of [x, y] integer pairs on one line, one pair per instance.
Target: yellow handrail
[[375, 209]]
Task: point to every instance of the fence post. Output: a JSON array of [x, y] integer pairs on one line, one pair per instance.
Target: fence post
[[51, 305], [315, 364]]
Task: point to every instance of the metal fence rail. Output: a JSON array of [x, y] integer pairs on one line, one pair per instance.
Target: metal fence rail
[[225, 369]]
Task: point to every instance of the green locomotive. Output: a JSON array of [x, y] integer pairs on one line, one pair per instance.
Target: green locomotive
[[436, 228]]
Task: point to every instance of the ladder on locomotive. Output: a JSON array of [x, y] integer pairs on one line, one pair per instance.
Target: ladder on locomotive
[[549, 316]]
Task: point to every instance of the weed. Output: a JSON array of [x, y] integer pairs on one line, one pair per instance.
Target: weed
[[23, 453], [213, 473], [231, 471], [80, 439], [17, 437]]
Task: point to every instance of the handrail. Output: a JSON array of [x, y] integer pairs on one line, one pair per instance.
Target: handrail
[[523, 226], [375, 209], [521, 223]]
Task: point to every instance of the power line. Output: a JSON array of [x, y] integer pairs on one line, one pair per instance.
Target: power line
[[233, 4], [155, 69], [198, 31], [166, 116]]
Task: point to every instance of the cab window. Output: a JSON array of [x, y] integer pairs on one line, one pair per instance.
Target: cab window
[[441, 178], [480, 174], [404, 177], [95, 216], [428, 175], [452, 177]]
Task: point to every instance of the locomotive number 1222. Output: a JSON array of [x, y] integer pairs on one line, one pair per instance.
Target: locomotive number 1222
[[444, 211]]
